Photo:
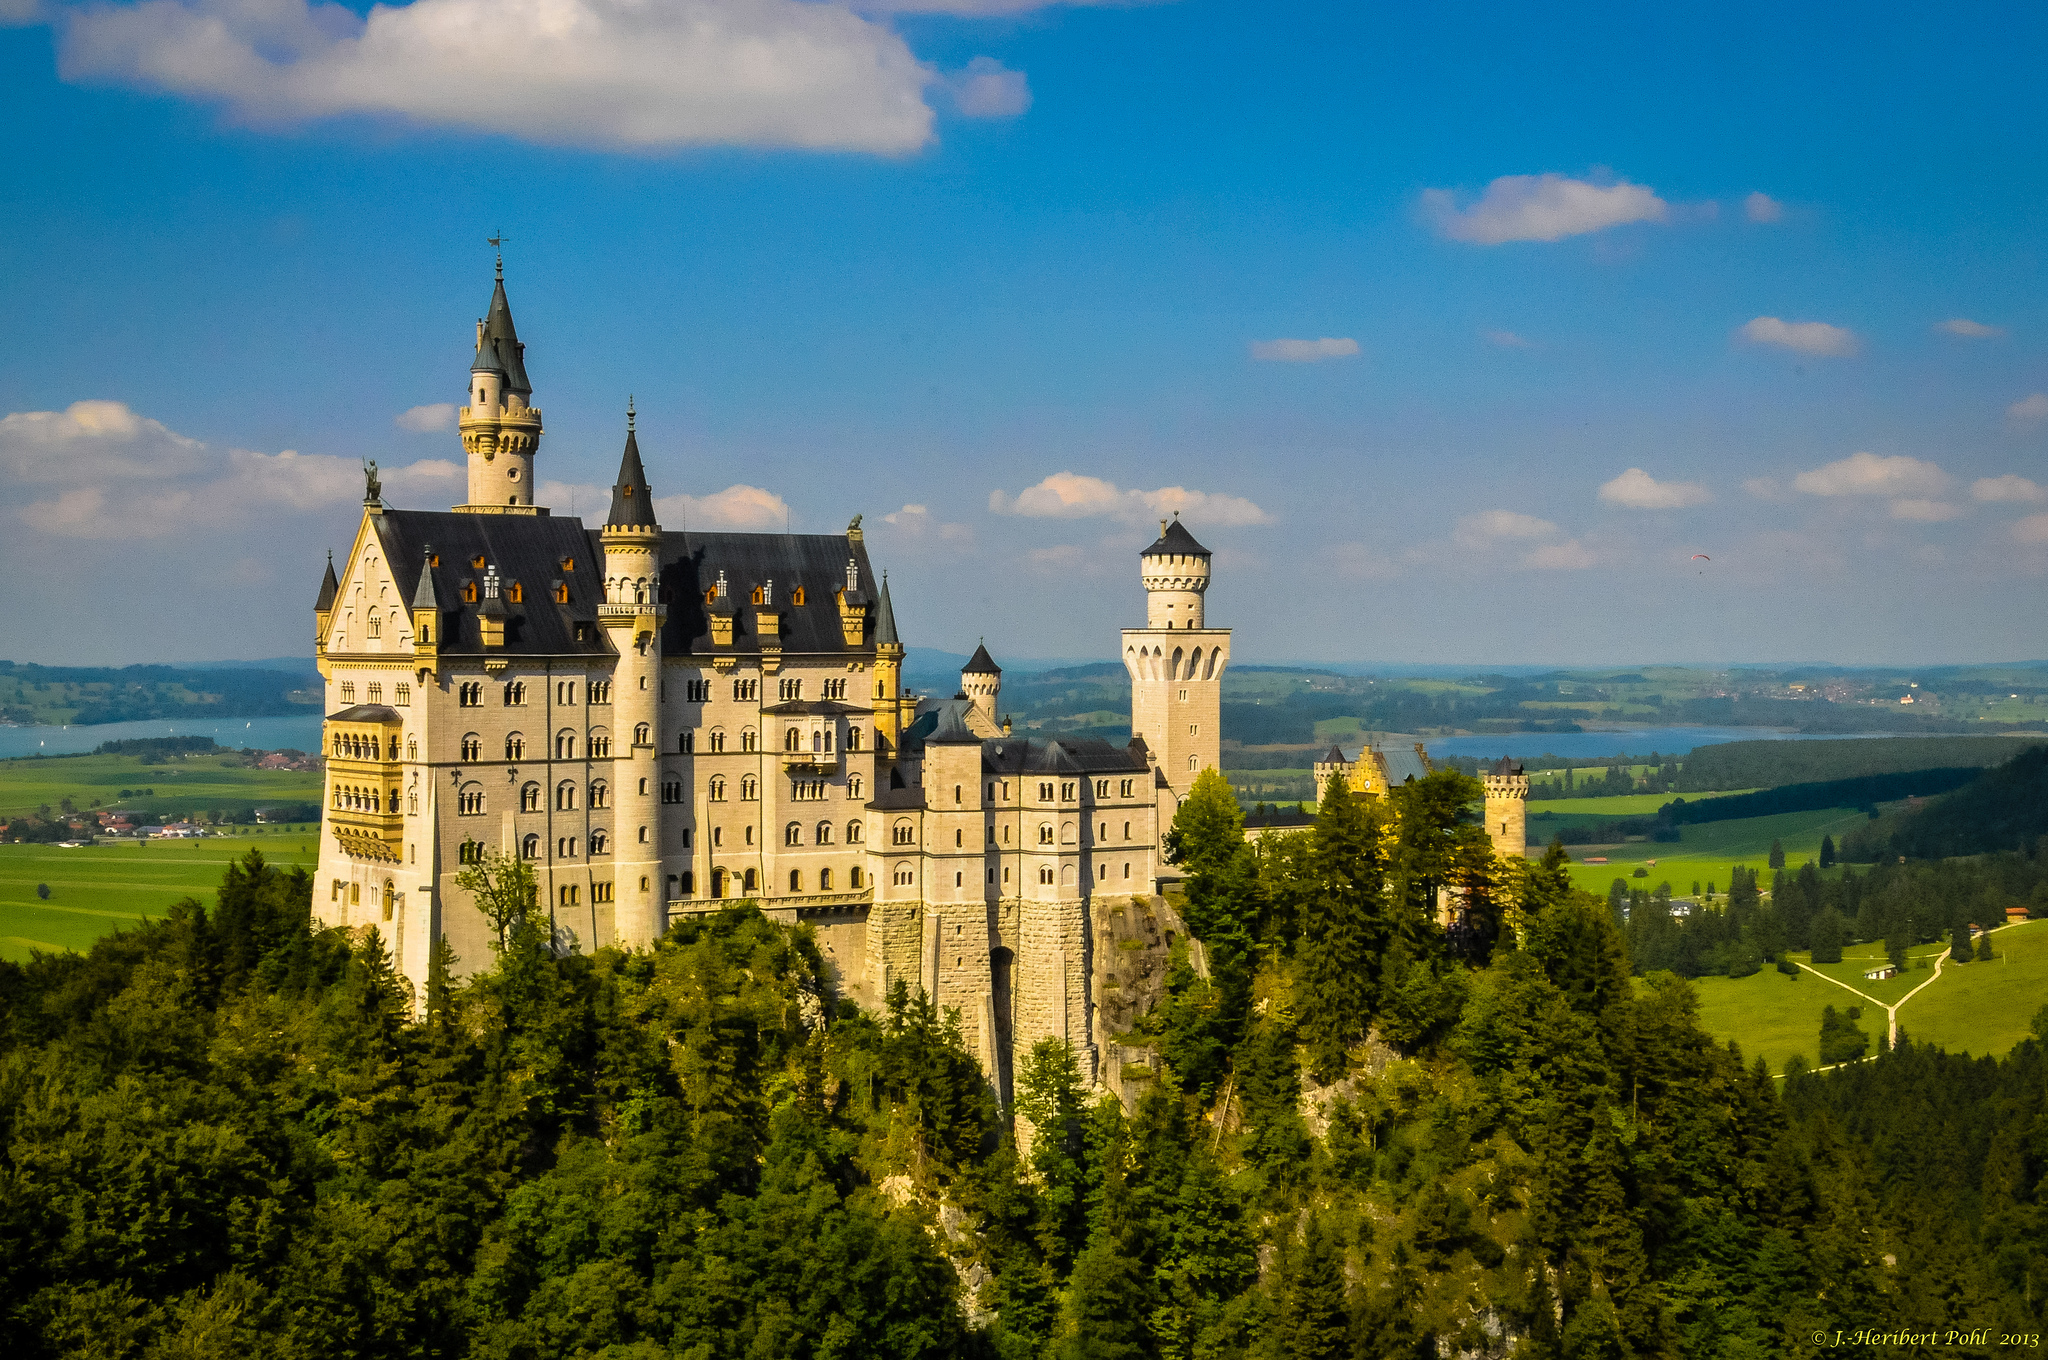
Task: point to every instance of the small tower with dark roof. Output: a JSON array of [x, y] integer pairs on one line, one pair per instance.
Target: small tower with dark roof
[[982, 681], [500, 426], [1176, 660], [323, 608], [888, 674], [1507, 808], [631, 616]]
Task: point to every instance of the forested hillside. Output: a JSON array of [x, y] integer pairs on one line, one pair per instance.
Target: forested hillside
[[1367, 1137], [2003, 809], [98, 694]]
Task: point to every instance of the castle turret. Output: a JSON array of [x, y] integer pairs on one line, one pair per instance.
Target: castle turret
[[888, 676], [981, 680], [500, 427], [1507, 808], [631, 616], [1176, 662]]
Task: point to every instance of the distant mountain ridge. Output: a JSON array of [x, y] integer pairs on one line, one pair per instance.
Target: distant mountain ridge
[[89, 695]]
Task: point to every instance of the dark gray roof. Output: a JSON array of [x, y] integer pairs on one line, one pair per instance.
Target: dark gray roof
[[367, 713], [885, 619], [819, 707], [1175, 541], [1404, 763], [499, 350], [950, 728], [529, 549], [981, 663], [691, 563], [1505, 765], [1335, 756], [1061, 755], [329, 588], [632, 502]]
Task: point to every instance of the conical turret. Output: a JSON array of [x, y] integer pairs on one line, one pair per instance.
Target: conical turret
[[500, 427], [632, 502]]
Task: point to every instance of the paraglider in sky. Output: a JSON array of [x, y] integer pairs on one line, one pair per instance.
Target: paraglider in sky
[[1701, 557]]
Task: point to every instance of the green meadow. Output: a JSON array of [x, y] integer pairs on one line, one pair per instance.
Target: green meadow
[[1570, 810], [180, 785], [95, 889], [1707, 852]]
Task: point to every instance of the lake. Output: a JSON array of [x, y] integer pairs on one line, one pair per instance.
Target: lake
[[300, 733], [1639, 741]]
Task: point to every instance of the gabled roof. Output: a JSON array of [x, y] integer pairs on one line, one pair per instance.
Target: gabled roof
[[1175, 541], [632, 502], [329, 588], [951, 727], [498, 350], [981, 663]]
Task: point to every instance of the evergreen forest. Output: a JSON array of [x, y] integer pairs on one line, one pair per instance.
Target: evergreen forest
[[1368, 1133]]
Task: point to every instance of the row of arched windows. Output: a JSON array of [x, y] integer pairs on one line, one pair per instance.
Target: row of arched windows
[[822, 834], [355, 746], [357, 798]]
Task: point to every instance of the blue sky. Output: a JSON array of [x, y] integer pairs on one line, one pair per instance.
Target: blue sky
[[1571, 298]]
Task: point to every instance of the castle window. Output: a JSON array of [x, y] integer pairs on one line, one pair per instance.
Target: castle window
[[468, 591], [412, 748], [717, 788], [376, 692], [686, 836], [757, 595], [853, 738], [477, 562], [602, 892], [1194, 729], [529, 798], [529, 848], [565, 745], [565, 847], [824, 833], [1127, 830], [565, 797], [991, 835], [835, 689], [376, 625], [568, 564], [643, 735], [1045, 793], [515, 693], [600, 796], [1127, 868], [401, 694], [470, 802], [515, 595], [568, 895], [747, 882], [854, 833], [470, 852], [824, 880], [1126, 789], [1045, 874], [600, 691], [686, 741], [598, 842], [791, 688], [793, 834], [472, 747], [956, 793], [671, 790], [700, 691], [1066, 833], [853, 878], [853, 786], [750, 740], [797, 596], [1183, 696], [745, 691], [1191, 763], [348, 691], [412, 804], [561, 592], [903, 833], [1045, 833], [583, 632], [796, 880], [470, 694], [750, 789], [717, 739], [792, 740], [515, 747], [1067, 791], [959, 839], [905, 875]]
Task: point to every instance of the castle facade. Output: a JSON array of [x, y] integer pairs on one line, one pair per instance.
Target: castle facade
[[660, 722]]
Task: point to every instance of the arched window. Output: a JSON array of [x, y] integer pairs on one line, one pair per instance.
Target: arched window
[[824, 880], [750, 740], [529, 798], [1066, 875], [903, 833], [565, 745], [472, 746], [565, 796], [686, 741], [598, 841], [530, 847], [515, 693], [817, 741], [853, 878], [853, 786], [718, 882], [824, 833], [600, 743], [376, 625], [750, 788], [643, 735], [747, 884], [853, 738], [412, 748], [1066, 833], [1045, 833], [793, 834], [905, 874], [717, 739], [796, 880], [600, 795], [515, 747], [470, 802], [854, 833], [1045, 873], [718, 788], [1191, 763], [792, 740]]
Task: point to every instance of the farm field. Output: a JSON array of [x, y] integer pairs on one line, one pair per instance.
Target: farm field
[[1772, 1016], [1984, 1008], [181, 785], [1709, 850], [95, 889], [1615, 805]]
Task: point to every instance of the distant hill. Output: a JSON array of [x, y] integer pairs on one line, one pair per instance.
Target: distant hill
[[2005, 808], [86, 695]]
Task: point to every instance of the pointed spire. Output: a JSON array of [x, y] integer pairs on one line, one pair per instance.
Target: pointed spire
[[885, 619], [424, 597], [497, 347], [982, 663], [329, 587], [632, 503]]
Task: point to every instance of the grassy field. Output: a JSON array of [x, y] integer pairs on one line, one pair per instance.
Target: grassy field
[[1773, 1016], [99, 888], [1709, 850], [1984, 1008], [178, 785], [1618, 805]]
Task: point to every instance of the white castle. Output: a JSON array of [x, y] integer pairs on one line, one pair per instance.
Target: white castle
[[661, 722]]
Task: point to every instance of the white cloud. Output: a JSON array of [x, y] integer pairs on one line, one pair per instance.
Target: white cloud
[[1638, 490], [1927, 511], [1490, 526], [2011, 487], [596, 73], [1807, 337], [1968, 329], [1541, 208], [20, 12], [427, 419], [1761, 207], [977, 9], [1070, 495], [2032, 529], [917, 522], [1303, 351], [2029, 408], [988, 89], [1866, 474], [1570, 555]]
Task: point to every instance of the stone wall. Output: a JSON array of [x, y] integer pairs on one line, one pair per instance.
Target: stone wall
[[1133, 945]]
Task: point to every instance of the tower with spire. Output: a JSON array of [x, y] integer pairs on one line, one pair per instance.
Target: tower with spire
[[500, 426], [632, 616], [1176, 661]]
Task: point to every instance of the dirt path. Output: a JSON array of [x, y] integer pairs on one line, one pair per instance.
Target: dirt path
[[1891, 1012]]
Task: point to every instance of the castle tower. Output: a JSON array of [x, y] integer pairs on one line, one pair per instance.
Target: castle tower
[[631, 616], [1176, 662], [982, 681], [1507, 808], [500, 430], [888, 677]]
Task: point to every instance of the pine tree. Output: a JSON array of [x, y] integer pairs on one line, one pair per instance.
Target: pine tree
[[1827, 852], [1777, 854], [1317, 1322], [1959, 948], [1345, 935], [1827, 932]]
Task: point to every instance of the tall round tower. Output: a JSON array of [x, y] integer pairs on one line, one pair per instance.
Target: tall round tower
[[500, 427], [631, 616], [1507, 808], [1176, 661]]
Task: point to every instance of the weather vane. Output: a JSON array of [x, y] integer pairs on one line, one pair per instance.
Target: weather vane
[[497, 243]]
